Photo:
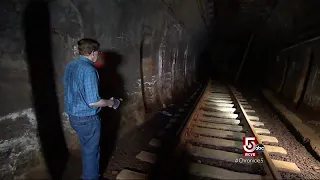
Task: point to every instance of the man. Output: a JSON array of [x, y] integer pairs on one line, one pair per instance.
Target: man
[[83, 103]]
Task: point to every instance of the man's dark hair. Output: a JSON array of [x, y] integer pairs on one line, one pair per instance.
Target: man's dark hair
[[86, 46]]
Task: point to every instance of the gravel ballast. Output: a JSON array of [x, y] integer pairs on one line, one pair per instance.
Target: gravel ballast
[[297, 153]]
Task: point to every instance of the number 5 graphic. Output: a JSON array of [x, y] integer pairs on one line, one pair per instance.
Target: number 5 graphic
[[249, 144]]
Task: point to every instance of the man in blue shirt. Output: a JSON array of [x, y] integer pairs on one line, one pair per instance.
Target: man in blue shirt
[[82, 103]]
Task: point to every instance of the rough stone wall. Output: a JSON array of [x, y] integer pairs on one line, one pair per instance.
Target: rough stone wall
[[294, 72], [312, 96], [167, 40], [298, 59]]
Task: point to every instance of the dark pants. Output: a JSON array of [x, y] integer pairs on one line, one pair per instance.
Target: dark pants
[[88, 130]]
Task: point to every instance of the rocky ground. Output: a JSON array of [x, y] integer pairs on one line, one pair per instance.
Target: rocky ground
[[297, 153]]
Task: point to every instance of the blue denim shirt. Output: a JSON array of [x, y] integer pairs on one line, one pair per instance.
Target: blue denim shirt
[[81, 88]]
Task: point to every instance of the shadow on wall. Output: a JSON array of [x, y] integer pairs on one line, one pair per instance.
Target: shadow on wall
[[41, 73], [111, 85]]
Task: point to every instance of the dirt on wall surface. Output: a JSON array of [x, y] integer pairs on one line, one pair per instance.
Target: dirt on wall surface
[[30, 78]]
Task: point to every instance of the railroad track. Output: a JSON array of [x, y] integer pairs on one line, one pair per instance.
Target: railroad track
[[213, 135]]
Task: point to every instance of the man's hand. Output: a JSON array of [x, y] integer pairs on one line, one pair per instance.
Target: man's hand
[[111, 103]]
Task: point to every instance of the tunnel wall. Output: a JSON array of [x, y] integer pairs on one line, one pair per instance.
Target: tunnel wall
[[296, 69], [286, 71], [157, 46]]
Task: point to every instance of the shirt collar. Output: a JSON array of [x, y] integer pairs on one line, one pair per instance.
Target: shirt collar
[[85, 59]]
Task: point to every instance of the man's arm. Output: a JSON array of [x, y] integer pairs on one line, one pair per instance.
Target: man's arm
[[102, 103], [92, 93]]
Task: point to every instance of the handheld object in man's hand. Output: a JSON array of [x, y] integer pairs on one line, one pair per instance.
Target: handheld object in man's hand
[[116, 103]]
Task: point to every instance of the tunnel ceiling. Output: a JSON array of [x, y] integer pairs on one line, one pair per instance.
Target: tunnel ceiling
[[287, 21], [238, 19]]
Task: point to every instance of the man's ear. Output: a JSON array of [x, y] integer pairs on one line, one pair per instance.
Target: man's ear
[[91, 54]]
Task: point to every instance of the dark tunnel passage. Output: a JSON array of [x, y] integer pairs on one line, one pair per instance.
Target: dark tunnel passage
[[155, 54]]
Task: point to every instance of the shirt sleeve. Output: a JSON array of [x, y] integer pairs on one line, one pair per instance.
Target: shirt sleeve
[[91, 80]]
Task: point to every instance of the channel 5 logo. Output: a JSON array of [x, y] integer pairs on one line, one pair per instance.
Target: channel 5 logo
[[250, 146]]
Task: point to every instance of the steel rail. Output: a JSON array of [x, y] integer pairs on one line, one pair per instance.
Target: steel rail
[[275, 173]]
